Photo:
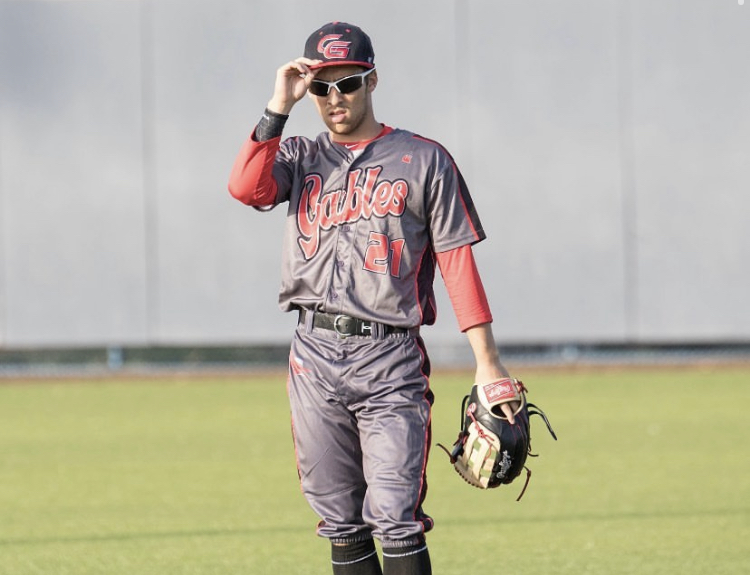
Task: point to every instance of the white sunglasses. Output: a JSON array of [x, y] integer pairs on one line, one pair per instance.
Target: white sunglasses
[[345, 85]]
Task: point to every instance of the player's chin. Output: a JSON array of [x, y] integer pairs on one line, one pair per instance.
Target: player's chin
[[339, 127]]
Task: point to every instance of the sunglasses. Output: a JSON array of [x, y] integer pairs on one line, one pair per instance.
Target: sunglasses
[[345, 85]]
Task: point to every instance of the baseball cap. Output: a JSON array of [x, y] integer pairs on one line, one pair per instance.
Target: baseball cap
[[339, 43]]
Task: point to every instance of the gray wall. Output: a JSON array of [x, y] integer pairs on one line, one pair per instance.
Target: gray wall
[[607, 144]]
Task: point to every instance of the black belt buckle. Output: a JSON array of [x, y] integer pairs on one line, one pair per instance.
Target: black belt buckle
[[351, 326], [339, 331]]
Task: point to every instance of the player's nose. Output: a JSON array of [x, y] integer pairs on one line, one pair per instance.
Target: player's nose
[[334, 95]]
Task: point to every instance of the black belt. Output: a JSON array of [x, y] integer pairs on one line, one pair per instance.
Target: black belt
[[345, 325]]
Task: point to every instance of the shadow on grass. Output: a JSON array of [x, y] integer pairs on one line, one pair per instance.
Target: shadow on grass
[[285, 529]]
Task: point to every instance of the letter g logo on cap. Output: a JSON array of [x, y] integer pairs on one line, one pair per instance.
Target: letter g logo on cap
[[332, 48]]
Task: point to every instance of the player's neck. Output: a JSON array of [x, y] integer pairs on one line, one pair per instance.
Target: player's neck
[[368, 131]]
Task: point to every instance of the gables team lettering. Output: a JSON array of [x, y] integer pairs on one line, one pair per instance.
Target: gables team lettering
[[358, 201]]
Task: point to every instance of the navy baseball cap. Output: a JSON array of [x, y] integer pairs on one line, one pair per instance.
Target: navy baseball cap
[[339, 44]]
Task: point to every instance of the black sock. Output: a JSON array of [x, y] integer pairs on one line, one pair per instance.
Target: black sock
[[360, 558], [412, 560]]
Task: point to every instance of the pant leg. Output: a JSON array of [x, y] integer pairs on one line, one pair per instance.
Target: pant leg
[[394, 420], [327, 447]]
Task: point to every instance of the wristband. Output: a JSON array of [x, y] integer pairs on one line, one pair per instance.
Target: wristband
[[270, 125]]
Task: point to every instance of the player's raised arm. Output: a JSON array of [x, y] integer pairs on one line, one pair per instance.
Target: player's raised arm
[[251, 180]]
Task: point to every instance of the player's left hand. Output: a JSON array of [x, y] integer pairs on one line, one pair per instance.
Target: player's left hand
[[489, 374]]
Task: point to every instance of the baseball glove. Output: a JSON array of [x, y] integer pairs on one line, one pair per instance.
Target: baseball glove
[[489, 451]]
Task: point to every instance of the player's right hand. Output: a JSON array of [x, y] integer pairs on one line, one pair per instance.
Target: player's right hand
[[292, 81]]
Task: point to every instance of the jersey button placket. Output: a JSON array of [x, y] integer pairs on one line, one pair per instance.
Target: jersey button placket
[[341, 279]]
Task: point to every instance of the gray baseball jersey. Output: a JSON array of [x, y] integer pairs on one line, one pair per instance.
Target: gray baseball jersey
[[363, 226]]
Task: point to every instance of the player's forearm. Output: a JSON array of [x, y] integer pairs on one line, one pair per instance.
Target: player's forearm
[[486, 354], [279, 106], [464, 286], [251, 179], [270, 126]]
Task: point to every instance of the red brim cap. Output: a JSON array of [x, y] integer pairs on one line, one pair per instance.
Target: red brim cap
[[341, 63]]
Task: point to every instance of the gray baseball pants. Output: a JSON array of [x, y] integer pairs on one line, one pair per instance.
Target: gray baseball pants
[[361, 410]]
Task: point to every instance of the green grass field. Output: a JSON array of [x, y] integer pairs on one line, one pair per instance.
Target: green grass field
[[651, 475]]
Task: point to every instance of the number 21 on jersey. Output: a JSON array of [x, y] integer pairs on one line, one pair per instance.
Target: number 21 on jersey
[[383, 255]]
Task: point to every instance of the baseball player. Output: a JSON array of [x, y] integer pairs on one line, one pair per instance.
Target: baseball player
[[372, 210]]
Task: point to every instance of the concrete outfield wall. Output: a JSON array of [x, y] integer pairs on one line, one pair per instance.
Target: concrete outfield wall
[[605, 143]]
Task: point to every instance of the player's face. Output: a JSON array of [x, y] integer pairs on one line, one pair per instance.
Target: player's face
[[349, 117]]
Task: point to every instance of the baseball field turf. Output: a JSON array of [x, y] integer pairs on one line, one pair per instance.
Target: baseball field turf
[[196, 476]]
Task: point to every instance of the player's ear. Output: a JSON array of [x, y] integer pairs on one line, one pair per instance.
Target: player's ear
[[372, 80]]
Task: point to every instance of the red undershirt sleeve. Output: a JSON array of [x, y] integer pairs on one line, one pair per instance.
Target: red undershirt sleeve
[[465, 289], [251, 180]]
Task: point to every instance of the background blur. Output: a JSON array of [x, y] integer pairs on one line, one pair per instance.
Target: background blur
[[606, 144]]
